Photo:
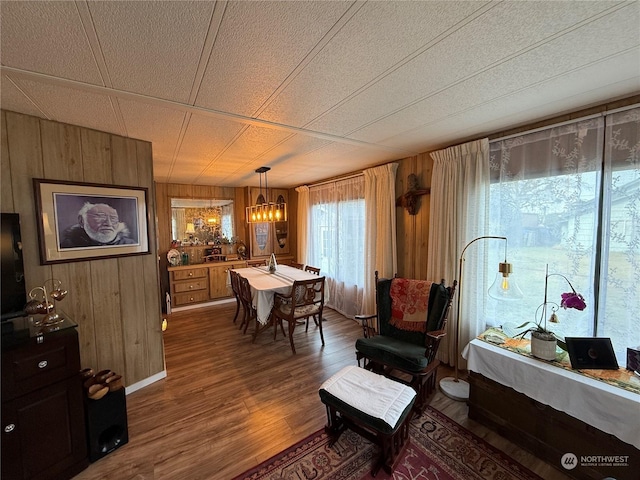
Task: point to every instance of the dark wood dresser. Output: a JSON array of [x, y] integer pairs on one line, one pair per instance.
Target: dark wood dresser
[[43, 421]]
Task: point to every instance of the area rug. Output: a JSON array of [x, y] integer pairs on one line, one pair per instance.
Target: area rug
[[439, 449]]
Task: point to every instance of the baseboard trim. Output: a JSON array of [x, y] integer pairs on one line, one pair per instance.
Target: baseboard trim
[[201, 305], [146, 382]]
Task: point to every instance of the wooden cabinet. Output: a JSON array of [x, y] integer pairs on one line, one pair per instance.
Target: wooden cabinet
[[219, 282], [546, 432], [194, 284], [268, 238], [43, 425], [189, 285]]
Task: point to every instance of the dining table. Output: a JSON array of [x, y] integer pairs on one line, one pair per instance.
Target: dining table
[[264, 285]]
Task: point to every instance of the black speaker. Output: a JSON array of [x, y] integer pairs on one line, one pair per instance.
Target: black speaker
[[106, 424]]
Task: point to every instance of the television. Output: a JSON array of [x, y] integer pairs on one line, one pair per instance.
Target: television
[[14, 295]]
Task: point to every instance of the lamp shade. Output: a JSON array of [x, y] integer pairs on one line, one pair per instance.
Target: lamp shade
[[190, 228], [503, 287]]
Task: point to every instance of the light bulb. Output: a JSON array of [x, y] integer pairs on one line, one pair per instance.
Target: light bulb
[[503, 288]]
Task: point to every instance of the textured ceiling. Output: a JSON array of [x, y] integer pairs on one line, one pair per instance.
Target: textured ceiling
[[313, 89]]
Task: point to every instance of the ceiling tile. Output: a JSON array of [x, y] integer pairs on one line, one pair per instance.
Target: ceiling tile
[[47, 37], [152, 47], [68, 105], [258, 46]]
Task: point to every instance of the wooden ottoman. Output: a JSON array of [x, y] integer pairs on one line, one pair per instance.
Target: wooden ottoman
[[374, 406]]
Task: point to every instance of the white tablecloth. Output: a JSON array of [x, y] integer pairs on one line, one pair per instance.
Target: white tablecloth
[[606, 407], [264, 284]]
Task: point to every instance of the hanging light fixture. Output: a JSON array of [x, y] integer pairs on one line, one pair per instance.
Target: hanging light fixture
[[264, 211]]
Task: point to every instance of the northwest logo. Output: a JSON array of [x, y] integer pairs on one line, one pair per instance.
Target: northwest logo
[[569, 461]]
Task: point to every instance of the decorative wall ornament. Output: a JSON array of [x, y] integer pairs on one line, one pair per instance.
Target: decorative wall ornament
[[410, 199]]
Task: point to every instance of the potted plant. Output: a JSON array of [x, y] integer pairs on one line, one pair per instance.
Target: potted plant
[[543, 341]]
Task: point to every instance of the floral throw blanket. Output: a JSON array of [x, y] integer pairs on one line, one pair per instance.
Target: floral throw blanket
[[409, 304], [621, 378]]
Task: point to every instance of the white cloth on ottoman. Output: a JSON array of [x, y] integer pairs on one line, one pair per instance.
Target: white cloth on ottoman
[[370, 393]]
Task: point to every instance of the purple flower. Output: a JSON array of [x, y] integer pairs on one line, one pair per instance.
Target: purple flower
[[573, 300]]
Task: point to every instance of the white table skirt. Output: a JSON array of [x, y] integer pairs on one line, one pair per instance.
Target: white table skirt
[[264, 284], [611, 409]]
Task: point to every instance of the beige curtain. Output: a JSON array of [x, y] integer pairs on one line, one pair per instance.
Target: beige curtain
[[459, 213], [380, 226], [303, 223], [179, 223]]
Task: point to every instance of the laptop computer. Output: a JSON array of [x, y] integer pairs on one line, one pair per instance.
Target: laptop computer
[[591, 352]]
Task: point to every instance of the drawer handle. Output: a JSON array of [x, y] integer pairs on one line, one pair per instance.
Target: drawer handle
[[42, 364], [10, 428], [191, 274], [191, 286], [191, 299]]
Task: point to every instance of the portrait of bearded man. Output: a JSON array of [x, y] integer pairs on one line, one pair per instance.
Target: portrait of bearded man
[[98, 225]]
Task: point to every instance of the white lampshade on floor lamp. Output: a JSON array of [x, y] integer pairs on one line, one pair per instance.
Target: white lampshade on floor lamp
[[501, 289]]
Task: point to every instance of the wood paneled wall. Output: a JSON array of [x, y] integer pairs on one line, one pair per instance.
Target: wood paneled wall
[[115, 302], [166, 191], [413, 230]]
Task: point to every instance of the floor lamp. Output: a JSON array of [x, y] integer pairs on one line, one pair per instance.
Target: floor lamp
[[501, 289]]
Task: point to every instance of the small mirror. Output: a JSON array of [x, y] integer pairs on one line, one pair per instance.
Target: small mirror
[[202, 222]]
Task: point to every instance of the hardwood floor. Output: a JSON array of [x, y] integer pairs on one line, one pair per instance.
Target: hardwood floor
[[227, 404]]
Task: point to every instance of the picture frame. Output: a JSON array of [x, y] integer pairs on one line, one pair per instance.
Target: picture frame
[[86, 221]]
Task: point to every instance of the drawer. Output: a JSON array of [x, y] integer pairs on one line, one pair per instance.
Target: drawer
[[190, 273], [188, 298], [38, 365], [190, 286]]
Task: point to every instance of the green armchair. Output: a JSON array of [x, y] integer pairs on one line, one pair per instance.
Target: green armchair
[[401, 340]]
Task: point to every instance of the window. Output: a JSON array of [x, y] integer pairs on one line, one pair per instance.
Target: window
[[569, 197], [337, 216]]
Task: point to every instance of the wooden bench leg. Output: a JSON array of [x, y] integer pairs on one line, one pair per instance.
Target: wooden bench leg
[[335, 425], [392, 447]]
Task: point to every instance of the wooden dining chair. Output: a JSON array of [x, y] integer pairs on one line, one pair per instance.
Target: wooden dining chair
[[310, 269], [299, 266], [235, 288], [250, 313], [306, 299]]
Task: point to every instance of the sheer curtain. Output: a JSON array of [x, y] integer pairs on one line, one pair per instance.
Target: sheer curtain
[[563, 203], [226, 221], [458, 214], [380, 247], [178, 223], [544, 194], [303, 223], [336, 241]]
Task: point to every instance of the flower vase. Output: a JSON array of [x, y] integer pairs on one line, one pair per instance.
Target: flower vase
[[543, 345]]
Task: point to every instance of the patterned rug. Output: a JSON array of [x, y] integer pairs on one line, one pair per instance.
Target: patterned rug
[[440, 449]]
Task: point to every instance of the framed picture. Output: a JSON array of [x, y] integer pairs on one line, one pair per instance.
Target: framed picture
[[85, 221]]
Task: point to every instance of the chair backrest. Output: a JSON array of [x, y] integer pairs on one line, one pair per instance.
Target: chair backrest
[[235, 282], [408, 309], [245, 292], [305, 296], [314, 270], [299, 266]]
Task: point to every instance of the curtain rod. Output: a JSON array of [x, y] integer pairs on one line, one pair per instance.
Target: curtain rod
[[567, 122], [337, 179]]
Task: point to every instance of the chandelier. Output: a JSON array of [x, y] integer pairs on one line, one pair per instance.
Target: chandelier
[[264, 211]]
